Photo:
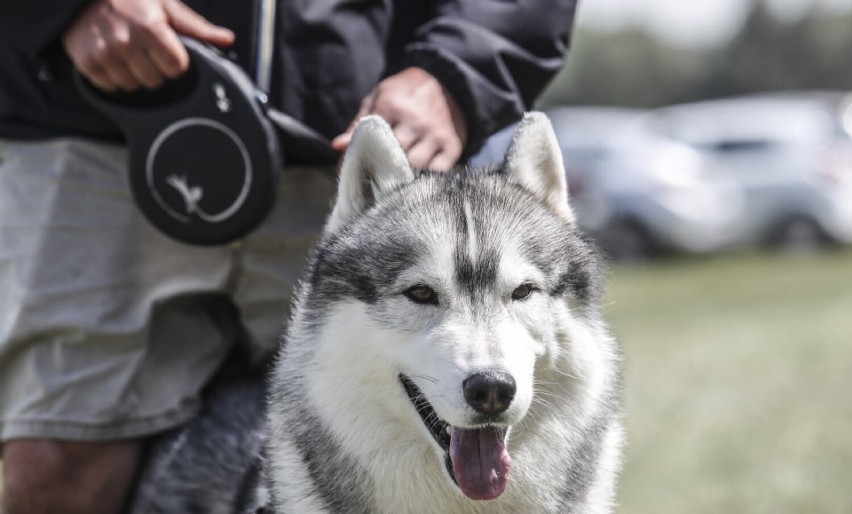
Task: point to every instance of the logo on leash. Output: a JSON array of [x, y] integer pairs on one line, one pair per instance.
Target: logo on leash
[[191, 194]]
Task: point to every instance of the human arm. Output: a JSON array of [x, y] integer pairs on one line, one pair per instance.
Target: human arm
[[492, 59]]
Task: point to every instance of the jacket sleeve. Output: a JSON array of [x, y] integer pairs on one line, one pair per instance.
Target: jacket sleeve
[[35, 25], [494, 56]]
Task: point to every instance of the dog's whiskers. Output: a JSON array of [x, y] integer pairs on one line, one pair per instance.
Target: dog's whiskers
[[427, 378], [569, 375]]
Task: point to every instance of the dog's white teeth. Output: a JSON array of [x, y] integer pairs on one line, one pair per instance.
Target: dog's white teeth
[[448, 429]]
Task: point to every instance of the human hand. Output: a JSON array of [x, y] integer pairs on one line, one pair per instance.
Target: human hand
[[425, 118], [128, 44]]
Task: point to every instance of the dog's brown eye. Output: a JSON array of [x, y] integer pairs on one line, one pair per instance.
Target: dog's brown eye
[[522, 291], [422, 294]]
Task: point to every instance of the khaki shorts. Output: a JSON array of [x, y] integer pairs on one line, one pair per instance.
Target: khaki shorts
[[109, 329]]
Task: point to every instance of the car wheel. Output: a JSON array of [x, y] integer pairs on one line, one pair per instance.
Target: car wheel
[[626, 241], [799, 234]]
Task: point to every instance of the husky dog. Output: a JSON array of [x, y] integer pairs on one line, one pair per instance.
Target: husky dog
[[447, 352]]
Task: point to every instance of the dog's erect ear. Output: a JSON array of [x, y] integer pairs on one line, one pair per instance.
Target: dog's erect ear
[[373, 165], [534, 161]]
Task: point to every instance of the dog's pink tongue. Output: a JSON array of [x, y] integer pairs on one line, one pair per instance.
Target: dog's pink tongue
[[480, 461]]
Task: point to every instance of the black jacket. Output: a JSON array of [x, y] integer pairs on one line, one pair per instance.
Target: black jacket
[[494, 56]]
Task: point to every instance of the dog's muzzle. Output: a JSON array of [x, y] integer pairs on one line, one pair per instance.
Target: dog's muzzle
[[476, 457]]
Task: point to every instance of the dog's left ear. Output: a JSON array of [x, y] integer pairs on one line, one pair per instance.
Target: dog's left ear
[[534, 161], [374, 164]]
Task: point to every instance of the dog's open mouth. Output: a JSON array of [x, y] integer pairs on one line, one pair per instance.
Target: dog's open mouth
[[476, 458]]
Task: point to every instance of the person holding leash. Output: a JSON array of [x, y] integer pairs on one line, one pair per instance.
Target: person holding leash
[[109, 329]]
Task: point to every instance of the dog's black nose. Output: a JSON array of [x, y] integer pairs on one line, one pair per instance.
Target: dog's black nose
[[489, 393]]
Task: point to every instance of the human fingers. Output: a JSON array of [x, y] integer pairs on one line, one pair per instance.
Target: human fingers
[[449, 151], [422, 137], [83, 42], [437, 145], [97, 76], [145, 71], [167, 52], [84, 56], [187, 22], [443, 161], [341, 142], [164, 50], [124, 57], [119, 74], [407, 136], [435, 151], [105, 45], [421, 154], [111, 53]]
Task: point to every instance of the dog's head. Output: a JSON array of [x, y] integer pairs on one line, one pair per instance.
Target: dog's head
[[475, 286]]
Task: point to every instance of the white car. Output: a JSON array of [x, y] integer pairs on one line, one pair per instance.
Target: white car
[[639, 193], [791, 154]]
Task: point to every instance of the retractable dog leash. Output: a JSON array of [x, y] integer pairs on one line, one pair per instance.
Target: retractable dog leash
[[204, 154]]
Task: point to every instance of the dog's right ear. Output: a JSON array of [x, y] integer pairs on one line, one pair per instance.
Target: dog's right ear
[[373, 165], [534, 161]]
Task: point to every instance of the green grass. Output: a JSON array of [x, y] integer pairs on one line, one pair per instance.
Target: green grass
[[739, 384]]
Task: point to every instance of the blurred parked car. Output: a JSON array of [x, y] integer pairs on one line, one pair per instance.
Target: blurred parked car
[[639, 193], [790, 153]]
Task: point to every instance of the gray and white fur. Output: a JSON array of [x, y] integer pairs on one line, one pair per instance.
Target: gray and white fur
[[447, 351]]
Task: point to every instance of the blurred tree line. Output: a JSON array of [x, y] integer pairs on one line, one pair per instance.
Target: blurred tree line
[[633, 68]]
